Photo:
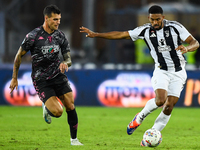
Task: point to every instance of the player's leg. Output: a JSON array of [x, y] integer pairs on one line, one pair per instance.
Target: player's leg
[[151, 105], [47, 94], [54, 107], [177, 81], [64, 93], [160, 81], [164, 116], [68, 102], [51, 108]]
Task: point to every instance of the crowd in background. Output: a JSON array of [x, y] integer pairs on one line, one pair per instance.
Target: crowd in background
[[20, 16]]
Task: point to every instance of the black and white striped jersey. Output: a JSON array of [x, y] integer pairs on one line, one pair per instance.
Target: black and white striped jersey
[[162, 43]]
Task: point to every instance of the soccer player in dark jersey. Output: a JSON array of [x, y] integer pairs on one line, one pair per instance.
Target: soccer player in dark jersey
[[48, 76], [164, 39]]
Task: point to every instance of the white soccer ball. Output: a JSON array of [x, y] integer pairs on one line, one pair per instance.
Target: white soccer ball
[[152, 138]]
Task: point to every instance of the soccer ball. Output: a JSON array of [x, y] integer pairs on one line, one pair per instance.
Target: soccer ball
[[151, 138]]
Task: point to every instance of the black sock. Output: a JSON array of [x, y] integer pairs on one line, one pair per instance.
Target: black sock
[[73, 122]]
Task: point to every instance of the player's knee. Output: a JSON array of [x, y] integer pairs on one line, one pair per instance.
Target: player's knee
[[70, 107], [160, 101], [58, 112]]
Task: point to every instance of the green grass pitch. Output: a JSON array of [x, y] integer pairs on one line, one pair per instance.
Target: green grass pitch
[[100, 128]]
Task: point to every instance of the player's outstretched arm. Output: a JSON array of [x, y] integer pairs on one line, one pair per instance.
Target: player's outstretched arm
[[17, 63], [108, 35]]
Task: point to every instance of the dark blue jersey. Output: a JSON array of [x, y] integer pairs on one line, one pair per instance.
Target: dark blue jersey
[[44, 50]]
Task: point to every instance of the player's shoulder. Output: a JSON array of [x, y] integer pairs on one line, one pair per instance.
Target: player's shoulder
[[140, 29], [34, 32], [60, 33], [173, 23]]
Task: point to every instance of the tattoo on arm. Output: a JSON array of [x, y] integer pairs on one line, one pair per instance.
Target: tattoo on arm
[[17, 62], [67, 59]]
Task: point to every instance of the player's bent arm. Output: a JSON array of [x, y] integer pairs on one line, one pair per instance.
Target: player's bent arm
[[66, 63], [17, 62], [193, 44], [67, 59]]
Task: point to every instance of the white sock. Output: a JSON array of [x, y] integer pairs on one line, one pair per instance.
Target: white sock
[[149, 107], [73, 139], [161, 121]]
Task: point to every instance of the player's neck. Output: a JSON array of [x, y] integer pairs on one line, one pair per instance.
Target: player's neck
[[47, 29]]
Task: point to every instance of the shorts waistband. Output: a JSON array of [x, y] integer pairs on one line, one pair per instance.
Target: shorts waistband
[[167, 68]]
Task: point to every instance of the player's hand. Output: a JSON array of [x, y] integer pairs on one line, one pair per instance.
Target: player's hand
[[63, 67], [13, 84], [90, 33], [182, 48]]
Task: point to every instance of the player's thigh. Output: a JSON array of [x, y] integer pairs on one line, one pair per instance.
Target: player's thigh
[[68, 100], [160, 80], [161, 96], [177, 83], [53, 105]]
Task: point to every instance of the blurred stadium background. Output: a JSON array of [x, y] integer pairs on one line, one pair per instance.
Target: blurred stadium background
[[104, 72]]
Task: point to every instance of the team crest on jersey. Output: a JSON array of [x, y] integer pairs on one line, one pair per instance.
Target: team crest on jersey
[[163, 46], [50, 38], [167, 33]]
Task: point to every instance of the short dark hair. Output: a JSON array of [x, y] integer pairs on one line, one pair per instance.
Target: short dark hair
[[51, 9], [155, 9]]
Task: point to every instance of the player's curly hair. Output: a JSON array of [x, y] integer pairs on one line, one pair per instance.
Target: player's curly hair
[[155, 9], [51, 9]]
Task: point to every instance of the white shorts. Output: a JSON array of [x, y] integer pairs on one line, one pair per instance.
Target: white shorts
[[172, 82]]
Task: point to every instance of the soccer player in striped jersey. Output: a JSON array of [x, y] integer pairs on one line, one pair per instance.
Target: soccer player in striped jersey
[[164, 39]]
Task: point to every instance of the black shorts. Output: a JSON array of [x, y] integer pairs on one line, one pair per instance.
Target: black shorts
[[54, 87]]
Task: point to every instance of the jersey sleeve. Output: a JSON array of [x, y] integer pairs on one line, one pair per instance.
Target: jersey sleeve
[[136, 33], [28, 41], [64, 45]]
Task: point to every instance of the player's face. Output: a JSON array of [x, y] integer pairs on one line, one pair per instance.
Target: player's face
[[156, 21], [54, 21]]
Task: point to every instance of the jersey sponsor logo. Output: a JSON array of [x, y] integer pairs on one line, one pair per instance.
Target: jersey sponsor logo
[[163, 46], [50, 49]]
